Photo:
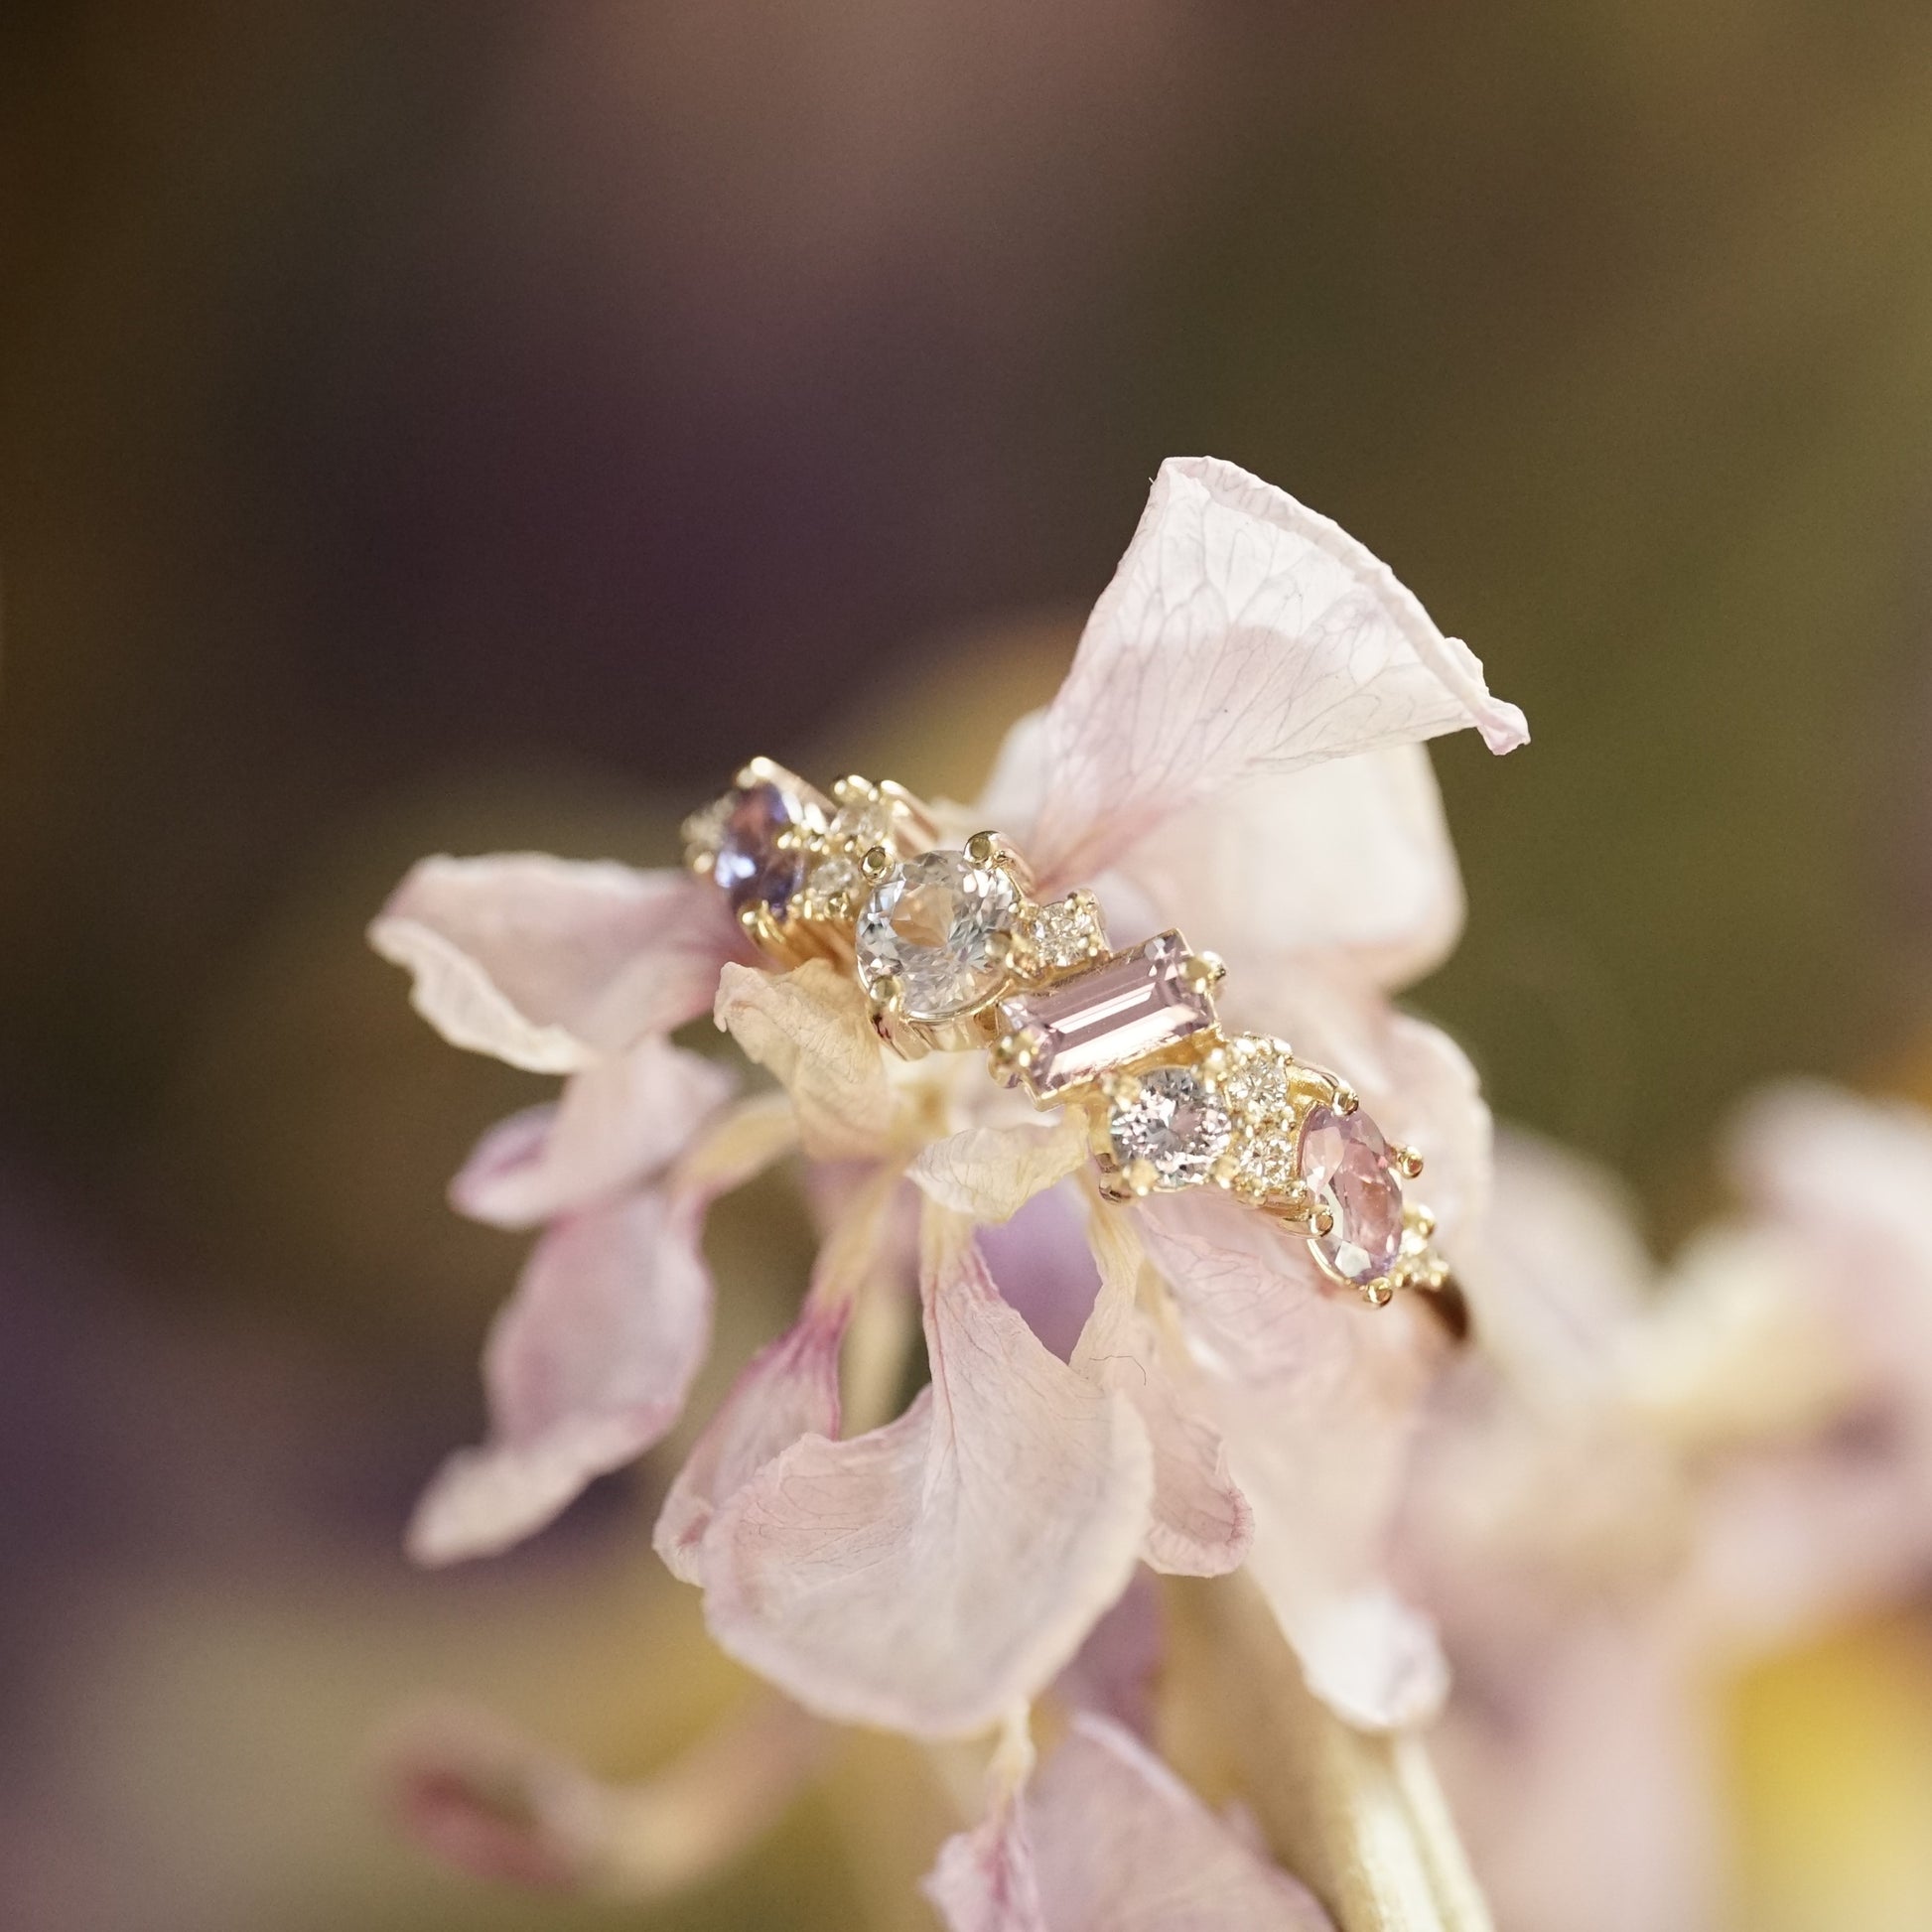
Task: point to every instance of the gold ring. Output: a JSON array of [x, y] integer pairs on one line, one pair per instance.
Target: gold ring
[[956, 954]]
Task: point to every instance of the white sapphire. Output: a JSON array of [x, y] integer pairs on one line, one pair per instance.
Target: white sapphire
[[1175, 1124], [939, 925]]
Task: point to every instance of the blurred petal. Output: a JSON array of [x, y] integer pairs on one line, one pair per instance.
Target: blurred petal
[[1044, 1265], [486, 1799], [587, 1366], [812, 1030], [589, 1362], [1373, 889], [790, 1389], [616, 1124], [549, 964], [1114, 1673], [989, 1173], [1243, 637], [1108, 1839], [1200, 1524], [931, 1573], [1318, 1398], [1560, 1278]]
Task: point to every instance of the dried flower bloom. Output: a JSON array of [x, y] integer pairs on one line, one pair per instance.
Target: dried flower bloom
[[1237, 744], [1653, 1478]]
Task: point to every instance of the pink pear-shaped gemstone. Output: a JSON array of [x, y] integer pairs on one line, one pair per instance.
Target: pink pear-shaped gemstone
[[1346, 1165]]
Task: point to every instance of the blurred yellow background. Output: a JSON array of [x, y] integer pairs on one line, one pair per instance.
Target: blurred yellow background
[[455, 428]]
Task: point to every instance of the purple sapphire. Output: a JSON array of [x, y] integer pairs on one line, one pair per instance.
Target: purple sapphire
[[750, 864]]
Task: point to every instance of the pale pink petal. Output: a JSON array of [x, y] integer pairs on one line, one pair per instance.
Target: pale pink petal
[[1108, 1839], [1115, 1673], [985, 1880], [589, 1362], [552, 965], [790, 1389], [617, 1123], [587, 1366], [1347, 863], [1414, 1080], [1200, 1524], [931, 1573], [1318, 1398], [812, 1030], [1559, 1276], [1044, 1265], [989, 1173], [1243, 637], [490, 1801]]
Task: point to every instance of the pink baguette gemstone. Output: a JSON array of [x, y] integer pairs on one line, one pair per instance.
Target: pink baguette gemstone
[[1109, 1015]]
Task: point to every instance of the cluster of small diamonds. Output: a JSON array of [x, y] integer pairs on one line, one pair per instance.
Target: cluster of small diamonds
[[1259, 1089], [1064, 933]]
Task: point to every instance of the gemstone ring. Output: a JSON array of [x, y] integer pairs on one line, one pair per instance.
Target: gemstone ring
[[955, 953]]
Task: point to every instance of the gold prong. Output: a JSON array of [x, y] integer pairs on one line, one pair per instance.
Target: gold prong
[[999, 948], [1409, 1160], [756, 772], [1346, 1098], [1419, 1222], [1143, 1176], [1203, 971], [1215, 1064], [851, 789], [703, 862], [1225, 1171], [876, 863], [1378, 1294], [1322, 1221], [983, 848]]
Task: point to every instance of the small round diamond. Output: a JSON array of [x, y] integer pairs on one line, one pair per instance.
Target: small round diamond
[[939, 925], [1346, 1162], [750, 864], [833, 876], [1066, 933], [1257, 1083], [864, 823], [1174, 1124]]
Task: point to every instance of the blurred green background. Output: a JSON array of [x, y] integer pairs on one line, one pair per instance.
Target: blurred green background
[[457, 427]]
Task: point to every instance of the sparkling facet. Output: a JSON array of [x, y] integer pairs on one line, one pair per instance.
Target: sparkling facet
[[751, 865], [1265, 1161], [1175, 1124], [939, 925], [1116, 1011], [864, 823], [1066, 932], [833, 876], [1259, 1083], [1346, 1162]]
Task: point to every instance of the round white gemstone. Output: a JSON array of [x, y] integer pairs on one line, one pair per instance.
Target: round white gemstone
[[1175, 1124], [938, 924]]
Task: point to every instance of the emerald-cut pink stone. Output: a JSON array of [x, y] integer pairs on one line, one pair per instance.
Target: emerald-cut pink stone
[[1345, 1164], [1107, 1016]]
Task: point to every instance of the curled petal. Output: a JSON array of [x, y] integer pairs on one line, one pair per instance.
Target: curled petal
[[1108, 1839], [790, 1389], [619, 1122], [587, 1366], [1372, 888], [1200, 1524], [812, 1030], [1317, 1399], [1243, 637], [490, 1801], [988, 1173], [589, 1362], [551, 965], [931, 1573]]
